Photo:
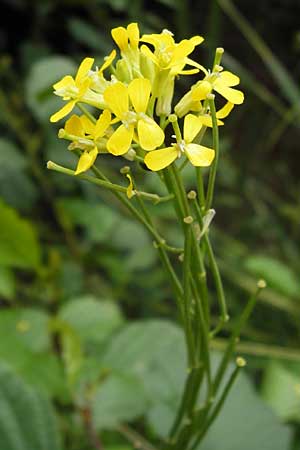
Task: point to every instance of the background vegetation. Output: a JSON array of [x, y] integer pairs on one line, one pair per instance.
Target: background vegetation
[[88, 340]]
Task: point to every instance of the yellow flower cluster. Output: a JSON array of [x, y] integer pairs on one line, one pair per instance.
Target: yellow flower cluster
[[136, 101]]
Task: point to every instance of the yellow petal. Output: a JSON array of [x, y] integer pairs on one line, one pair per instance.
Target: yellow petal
[[191, 127], [109, 59], [232, 95], [147, 52], [159, 159], [196, 40], [63, 112], [200, 91], [188, 72], [225, 111], [130, 189], [116, 98], [150, 134], [86, 161], [64, 82], [119, 143], [84, 85], [84, 67], [197, 65], [88, 125], [161, 40], [183, 49], [120, 36], [229, 79], [74, 126], [139, 92], [206, 120], [199, 155], [133, 35], [102, 124]]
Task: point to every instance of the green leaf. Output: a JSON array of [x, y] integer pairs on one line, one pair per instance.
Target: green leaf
[[19, 246], [93, 320], [27, 419], [154, 351], [97, 220], [44, 372], [39, 93], [277, 275], [26, 326], [120, 398], [7, 283], [281, 390], [137, 345]]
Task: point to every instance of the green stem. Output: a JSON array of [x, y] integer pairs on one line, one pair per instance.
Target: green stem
[[240, 363], [86, 112], [235, 334], [213, 170], [214, 268], [187, 293], [107, 184], [200, 186]]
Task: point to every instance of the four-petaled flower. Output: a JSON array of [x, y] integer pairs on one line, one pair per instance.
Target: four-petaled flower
[[169, 55], [198, 155], [72, 89], [118, 98], [87, 135]]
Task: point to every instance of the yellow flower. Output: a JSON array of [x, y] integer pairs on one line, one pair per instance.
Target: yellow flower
[[168, 55], [72, 89], [118, 98], [87, 137], [198, 155], [221, 82]]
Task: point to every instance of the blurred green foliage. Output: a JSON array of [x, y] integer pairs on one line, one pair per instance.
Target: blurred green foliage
[[86, 339]]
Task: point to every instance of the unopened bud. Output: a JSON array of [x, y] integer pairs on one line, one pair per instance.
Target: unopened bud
[[188, 220], [181, 257], [192, 195], [261, 284], [210, 96], [61, 133], [130, 155], [124, 170], [172, 118], [240, 362]]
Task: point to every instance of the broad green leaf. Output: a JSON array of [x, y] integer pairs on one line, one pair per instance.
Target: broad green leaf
[[27, 419], [44, 372], [25, 347], [154, 351], [26, 326], [97, 220], [277, 275], [93, 320], [19, 246], [39, 93], [137, 345], [281, 390], [7, 283], [119, 398]]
